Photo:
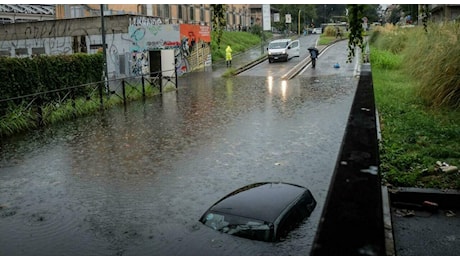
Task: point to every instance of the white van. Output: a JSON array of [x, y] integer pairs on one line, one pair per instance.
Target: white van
[[283, 49]]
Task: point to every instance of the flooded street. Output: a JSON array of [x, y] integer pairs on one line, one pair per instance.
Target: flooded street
[[135, 181]]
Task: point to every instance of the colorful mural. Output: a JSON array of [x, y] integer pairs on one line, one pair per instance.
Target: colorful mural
[[150, 36]]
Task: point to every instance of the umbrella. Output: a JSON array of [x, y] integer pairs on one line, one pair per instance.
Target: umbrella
[[311, 49]]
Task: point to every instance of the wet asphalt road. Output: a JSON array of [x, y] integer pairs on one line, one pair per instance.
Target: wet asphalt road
[[279, 68], [136, 181]]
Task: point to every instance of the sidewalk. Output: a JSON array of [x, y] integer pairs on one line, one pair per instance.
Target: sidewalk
[[240, 59], [243, 58]]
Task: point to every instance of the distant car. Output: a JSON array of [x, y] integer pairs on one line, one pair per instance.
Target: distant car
[[264, 211], [283, 49], [317, 30]]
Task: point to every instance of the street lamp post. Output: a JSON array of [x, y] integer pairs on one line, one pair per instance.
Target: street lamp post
[[298, 31], [104, 49]]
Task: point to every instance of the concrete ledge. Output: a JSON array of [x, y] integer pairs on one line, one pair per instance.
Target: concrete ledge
[[352, 221]]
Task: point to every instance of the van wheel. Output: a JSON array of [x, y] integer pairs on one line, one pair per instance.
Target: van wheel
[[270, 60]]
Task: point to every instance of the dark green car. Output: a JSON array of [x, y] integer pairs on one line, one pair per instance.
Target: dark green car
[[264, 211]]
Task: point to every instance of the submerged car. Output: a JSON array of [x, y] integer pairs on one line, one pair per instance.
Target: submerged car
[[265, 211]]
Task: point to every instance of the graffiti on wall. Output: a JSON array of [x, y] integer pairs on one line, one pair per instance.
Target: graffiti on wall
[[140, 63], [180, 55], [156, 37], [49, 36], [153, 37], [144, 21]]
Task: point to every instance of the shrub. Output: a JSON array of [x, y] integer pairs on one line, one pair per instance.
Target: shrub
[[431, 58]]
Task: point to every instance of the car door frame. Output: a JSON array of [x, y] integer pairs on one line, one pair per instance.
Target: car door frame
[[293, 51]]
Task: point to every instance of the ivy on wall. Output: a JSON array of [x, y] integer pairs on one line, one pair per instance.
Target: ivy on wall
[[355, 38]]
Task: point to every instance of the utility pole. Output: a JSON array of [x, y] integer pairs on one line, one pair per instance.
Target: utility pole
[[298, 31], [104, 50]]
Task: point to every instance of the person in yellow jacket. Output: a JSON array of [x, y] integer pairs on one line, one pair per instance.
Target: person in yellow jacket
[[228, 56]]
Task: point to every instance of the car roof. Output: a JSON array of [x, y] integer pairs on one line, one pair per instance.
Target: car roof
[[282, 40], [263, 201]]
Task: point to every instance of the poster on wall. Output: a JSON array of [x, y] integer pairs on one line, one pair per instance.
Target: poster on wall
[[153, 37], [194, 34]]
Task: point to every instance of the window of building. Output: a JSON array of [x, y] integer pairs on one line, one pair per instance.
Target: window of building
[[202, 13], [76, 11], [75, 44], [38, 51], [179, 11], [21, 51], [83, 47], [158, 10], [165, 11], [5, 53], [79, 44], [192, 13]]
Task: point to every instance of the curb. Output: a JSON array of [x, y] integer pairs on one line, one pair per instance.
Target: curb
[[387, 223], [407, 197], [414, 199], [249, 65]]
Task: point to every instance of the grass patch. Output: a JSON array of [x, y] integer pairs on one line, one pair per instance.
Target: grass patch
[[238, 41], [229, 73], [329, 35], [415, 135]]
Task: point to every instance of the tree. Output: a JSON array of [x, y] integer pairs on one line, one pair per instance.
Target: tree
[[307, 14], [411, 10], [330, 12], [395, 15], [218, 20], [371, 12]]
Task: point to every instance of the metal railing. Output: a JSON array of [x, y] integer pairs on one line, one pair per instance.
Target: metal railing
[[101, 94]]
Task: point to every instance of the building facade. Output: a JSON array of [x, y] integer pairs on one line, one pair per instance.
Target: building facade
[[445, 12], [237, 15]]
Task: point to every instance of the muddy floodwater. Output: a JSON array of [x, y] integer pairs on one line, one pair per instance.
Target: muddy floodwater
[[135, 181]]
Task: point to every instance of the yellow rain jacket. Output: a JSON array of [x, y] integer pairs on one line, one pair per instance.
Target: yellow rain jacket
[[228, 53]]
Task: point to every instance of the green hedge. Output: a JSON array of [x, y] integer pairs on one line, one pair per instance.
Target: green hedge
[[25, 76]]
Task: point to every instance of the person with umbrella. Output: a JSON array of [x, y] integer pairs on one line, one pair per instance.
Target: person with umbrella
[[313, 55]]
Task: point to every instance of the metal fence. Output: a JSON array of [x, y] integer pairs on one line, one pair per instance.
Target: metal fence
[[95, 95]]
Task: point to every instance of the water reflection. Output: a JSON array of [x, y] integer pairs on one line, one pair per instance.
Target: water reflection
[[135, 181]]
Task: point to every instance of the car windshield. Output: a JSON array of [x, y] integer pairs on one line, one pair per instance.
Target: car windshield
[[240, 226], [277, 45]]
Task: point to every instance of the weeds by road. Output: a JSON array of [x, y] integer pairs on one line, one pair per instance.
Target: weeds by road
[[416, 134]]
